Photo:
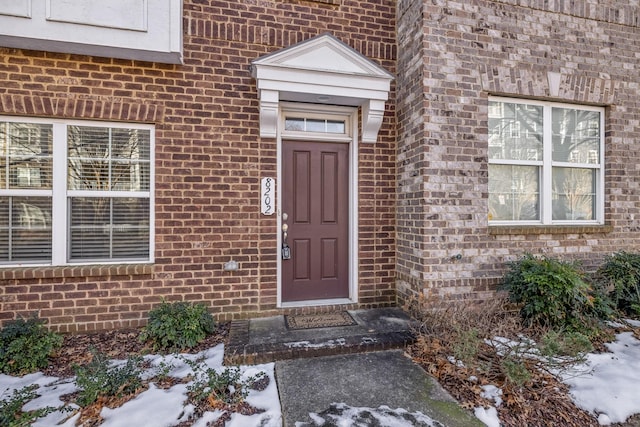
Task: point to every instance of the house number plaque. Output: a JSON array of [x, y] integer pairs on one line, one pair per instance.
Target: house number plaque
[[267, 194]]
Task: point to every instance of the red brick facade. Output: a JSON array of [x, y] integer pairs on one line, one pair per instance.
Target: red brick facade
[[209, 161], [460, 53], [423, 186]]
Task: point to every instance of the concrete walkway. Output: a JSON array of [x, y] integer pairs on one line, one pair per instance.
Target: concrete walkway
[[362, 365], [386, 378]]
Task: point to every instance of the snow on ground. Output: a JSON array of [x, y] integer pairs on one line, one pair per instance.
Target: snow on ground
[[489, 416], [492, 392], [340, 414], [633, 323], [606, 386], [610, 390], [155, 406], [49, 391]]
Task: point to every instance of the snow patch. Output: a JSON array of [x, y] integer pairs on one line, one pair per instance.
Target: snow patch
[[154, 407], [307, 344], [610, 391], [340, 414], [489, 416], [492, 392]]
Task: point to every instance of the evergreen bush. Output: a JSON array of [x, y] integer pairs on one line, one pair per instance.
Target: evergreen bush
[[551, 293], [620, 276], [26, 345], [177, 326]]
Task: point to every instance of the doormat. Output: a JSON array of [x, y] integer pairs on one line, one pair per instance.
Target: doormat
[[323, 320]]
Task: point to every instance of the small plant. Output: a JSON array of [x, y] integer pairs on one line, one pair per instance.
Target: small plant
[[552, 293], [220, 389], [466, 344], [99, 378], [515, 371], [11, 414], [163, 371], [26, 345], [178, 325], [558, 343], [620, 275]]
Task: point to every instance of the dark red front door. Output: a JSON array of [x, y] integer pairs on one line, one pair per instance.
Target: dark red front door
[[316, 204]]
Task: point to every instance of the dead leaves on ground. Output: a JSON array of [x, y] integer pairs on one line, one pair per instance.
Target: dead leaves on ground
[[121, 344], [539, 401], [542, 402], [116, 344], [90, 414]]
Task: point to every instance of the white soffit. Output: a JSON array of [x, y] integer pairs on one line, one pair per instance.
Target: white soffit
[[321, 70], [145, 30]]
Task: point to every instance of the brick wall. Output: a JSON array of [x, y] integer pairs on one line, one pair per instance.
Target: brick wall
[[411, 219], [209, 161], [472, 49]]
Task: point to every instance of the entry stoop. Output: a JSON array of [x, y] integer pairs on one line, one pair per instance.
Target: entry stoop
[[269, 339]]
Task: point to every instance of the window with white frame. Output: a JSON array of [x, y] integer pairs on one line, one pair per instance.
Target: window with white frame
[[546, 163], [303, 124], [75, 192]]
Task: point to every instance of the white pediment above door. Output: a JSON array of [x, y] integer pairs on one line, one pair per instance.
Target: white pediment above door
[[321, 70]]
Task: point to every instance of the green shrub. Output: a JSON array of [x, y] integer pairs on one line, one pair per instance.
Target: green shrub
[[100, 378], [25, 346], [178, 325], [620, 275], [220, 389], [602, 306], [552, 293], [11, 414], [559, 343]]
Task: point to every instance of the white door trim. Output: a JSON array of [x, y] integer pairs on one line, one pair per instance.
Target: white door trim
[[350, 115]]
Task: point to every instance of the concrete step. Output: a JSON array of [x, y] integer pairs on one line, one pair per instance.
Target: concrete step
[[268, 339]]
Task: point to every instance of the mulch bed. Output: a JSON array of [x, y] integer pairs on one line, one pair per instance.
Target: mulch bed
[[121, 344], [543, 402], [116, 344]]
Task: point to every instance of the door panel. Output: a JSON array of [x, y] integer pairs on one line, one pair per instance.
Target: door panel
[[316, 201], [301, 186], [301, 261], [329, 189], [329, 258]]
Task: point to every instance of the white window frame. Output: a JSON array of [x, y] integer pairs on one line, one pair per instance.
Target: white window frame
[[60, 194], [547, 164]]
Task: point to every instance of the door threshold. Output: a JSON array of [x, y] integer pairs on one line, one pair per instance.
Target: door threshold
[[317, 302]]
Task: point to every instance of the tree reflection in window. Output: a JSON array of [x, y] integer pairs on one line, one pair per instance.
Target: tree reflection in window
[[107, 166], [108, 159], [25, 165], [26, 150], [543, 154], [515, 151]]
